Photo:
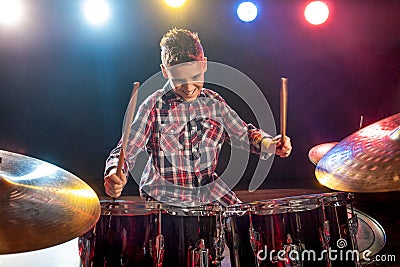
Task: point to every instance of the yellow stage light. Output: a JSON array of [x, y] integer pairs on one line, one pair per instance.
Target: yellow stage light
[[175, 3]]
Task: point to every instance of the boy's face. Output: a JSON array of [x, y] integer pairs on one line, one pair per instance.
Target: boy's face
[[187, 79]]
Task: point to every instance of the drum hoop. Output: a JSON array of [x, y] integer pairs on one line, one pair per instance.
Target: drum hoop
[[124, 208], [136, 208], [203, 210], [291, 204], [276, 206], [337, 198]]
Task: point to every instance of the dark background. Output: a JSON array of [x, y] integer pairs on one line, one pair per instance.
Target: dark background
[[65, 85]]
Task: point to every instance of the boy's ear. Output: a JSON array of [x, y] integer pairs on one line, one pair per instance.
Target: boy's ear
[[205, 64], [164, 71]]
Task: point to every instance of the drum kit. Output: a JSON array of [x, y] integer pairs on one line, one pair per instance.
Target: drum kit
[[47, 212]]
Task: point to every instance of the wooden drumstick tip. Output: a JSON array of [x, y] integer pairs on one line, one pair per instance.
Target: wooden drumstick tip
[[283, 109]]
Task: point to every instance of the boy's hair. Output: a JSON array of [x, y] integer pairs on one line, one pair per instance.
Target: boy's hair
[[179, 46]]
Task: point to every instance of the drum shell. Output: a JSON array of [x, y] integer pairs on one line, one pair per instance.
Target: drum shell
[[126, 233], [301, 217]]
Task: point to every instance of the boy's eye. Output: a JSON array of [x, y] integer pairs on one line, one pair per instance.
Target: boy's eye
[[195, 78], [179, 81]]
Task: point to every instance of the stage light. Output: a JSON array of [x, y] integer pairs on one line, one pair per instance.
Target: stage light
[[96, 11], [10, 11], [175, 3], [247, 11], [316, 12]]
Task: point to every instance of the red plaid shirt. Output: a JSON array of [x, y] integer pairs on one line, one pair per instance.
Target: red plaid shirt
[[183, 140]]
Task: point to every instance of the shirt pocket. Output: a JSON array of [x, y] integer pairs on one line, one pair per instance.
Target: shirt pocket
[[171, 137], [212, 133]]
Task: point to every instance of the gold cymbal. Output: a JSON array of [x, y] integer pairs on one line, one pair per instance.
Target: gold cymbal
[[41, 205], [366, 161], [317, 152]]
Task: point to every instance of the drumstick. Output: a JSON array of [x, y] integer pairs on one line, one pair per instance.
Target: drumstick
[[126, 127], [283, 108]]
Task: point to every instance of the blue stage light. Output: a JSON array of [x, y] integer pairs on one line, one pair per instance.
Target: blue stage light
[[247, 11]]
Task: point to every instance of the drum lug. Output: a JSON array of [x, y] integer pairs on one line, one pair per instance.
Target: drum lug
[[219, 244], [255, 241], [325, 237], [86, 248], [353, 228], [289, 247], [159, 250], [159, 244], [198, 256]]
